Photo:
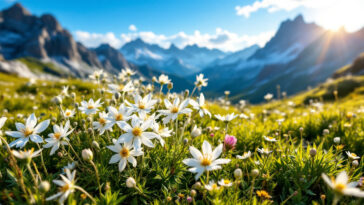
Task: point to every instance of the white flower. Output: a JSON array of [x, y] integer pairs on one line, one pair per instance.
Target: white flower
[[205, 161], [246, 155], [244, 116], [124, 154], [200, 106], [161, 132], [116, 115], [2, 122], [268, 96], [225, 183], [135, 134], [270, 139], [58, 137], [341, 186], [98, 75], [163, 79], [67, 186], [69, 166], [127, 72], [212, 186], [264, 151], [352, 155], [200, 81], [64, 91], [28, 131], [130, 182], [121, 88], [90, 107], [195, 132], [175, 109], [68, 113], [226, 118], [26, 154], [103, 123], [142, 105], [87, 154]]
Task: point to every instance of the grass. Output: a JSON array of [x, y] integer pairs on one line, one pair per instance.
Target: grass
[[290, 174]]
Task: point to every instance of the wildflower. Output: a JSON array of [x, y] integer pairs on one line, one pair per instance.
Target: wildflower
[[352, 155], [26, 154], [341, 186], [116, 115], [127, 72], [195, 132], [238, 173], [226, 118], [44, 186], [71, 166], [355, 163], [175, 109], [200, 81], [98, 75], [161, 132], [2, 122], [264, 151], [124, 154], [130, 182], [189, 199], [67, 186], [28, 131], [200, 106], [225, 183], [230, 142], [268, 96], [58, 137], [313, 152], [263, 194], [103, 123], [255, 172], [68, 113], [270, 139], [337, 140], [90, 107], [135, 134], [142, 105], [226, 92], [245, 155], [205, 161], [212, 186], [163, 79], [87, 155], [64, 91]]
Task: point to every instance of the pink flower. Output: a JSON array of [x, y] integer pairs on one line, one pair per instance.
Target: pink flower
[[230, 142], [212, 135]]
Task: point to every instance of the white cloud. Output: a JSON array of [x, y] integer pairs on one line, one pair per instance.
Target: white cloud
[[132, 27], [221, 39]]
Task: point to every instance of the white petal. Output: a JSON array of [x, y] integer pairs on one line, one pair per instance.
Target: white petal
[[42, 126], [195, 153], [133, 161], [342, 178], [115, 158], [31, 121], [217, 152], [122, 165], [206, 147]]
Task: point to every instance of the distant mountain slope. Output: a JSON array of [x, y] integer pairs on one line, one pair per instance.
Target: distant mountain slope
[[356, 68], [172, 60]]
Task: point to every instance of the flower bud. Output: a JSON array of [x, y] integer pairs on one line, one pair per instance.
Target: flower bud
[[255, 172], [95, 145], [195, 132], [189, 199], [87, 155], [185, 141], [107, 186], [323, 197], [230, 142], [60, 154], [197, 185], [44, 186], [337, 140], [193, 193], [73, 95], [187, 92], [130, 182], [170, 86], [301, 129], [326, 132], [313, 152], [57, 100], [238, 173], [355, 163], [117, 95], [169, 198]]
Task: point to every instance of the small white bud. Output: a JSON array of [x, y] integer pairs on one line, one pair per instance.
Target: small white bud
[[130, 182], [87, 155]]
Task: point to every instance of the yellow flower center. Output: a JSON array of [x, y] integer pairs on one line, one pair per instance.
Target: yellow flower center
[[90, 107], [68, 113], [270, 138], [28, 132], [121, 87], [65, 188], [340, 187], [137, 131], [124, 152], [206, 161], [57, 135], [102, 121], [353, 155], [174, 109], [141, 106], [214, 186], [119, 117], [226, 181]]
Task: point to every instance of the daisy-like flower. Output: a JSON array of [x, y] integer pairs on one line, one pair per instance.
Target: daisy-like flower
[[226, 118], [225, 183], [200, 106], [161, 132], [268, 96], [163, 79], [127, 72], [103, 123], [341, 186], [142, 105], [246, 155], [117, 115], [98, 75], [265, 151], [64, 91], [270, 139], [58, 137], [26, 154], [90, 107], [28, 131], [2, 122], [67, 186], [175, 109], [70, 166], [212, 186], [135, 134], [205, 161], [352, 156], [201, 81], [68, 113], [121, 88], [124, 154]]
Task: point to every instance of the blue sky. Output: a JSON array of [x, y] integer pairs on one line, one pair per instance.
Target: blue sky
[[181, 22]]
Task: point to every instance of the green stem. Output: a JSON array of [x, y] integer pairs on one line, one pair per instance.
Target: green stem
[[41, 158], [97, 176]]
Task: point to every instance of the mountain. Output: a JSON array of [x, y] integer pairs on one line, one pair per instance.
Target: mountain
[[110, 58], [172, 60], [243, 54], [356, 68]]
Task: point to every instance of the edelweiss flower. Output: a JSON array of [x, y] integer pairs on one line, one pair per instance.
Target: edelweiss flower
[[68, 113], [226, 118], [67, 186], [103, 123], [212, 186], [98, 75], [340, 185], [352, 155], [161, 132], [121, 88], [58, 137], [142, 105], [225, 183], [163, 79], [205, 161], [200, 81], [264, 151], [28, 131], [173, 110], [122, 114], [26, 154], [200, 106], [90, 107], [127, 72], [124, 154], [246, 155], [270, 139], [135, 134]]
